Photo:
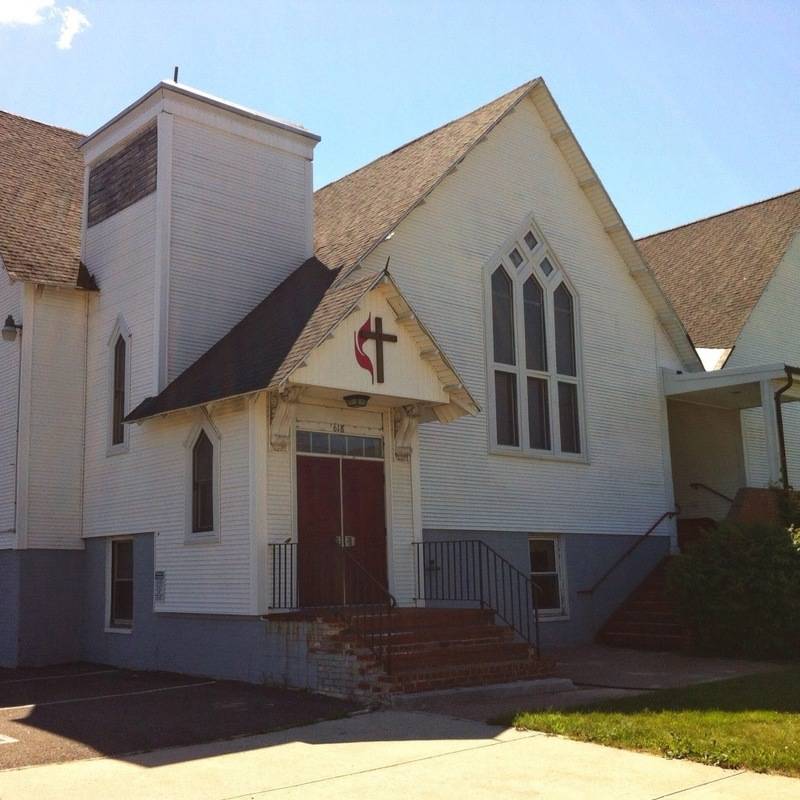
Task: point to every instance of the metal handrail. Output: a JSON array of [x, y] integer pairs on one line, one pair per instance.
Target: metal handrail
[[469, 570], [696, 485], [390, 598], [604, 576], [369, 621]]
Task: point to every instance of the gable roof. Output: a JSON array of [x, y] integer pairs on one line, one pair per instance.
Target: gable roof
[[253, 351], [716, 269], [41, 195], [274, 339], [353, 215]]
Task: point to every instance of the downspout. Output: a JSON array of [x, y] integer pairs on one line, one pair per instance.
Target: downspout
[[790, 373], [16, 442]]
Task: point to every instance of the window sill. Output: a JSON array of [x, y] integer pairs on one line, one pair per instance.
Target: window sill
[[535, 455], [207, 537], [117, 449], [126, 631]]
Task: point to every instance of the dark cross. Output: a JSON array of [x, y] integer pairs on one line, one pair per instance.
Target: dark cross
[[380, 337]]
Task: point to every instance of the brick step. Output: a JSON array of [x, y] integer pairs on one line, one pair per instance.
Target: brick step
[[449, 645], [415, 619], [633, 614], [462, 656], [650, 604], [644, 642], [423, 680], [435, 636], [646, 628]]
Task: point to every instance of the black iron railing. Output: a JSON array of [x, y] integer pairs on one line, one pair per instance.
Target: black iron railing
[[468, 571], [638, 541], [696, 485], [329, 578]]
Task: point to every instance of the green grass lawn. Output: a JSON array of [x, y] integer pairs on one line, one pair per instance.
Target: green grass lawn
[[751, 722]]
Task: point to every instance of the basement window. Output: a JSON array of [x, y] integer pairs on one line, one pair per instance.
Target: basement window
[[547, 575], [121, 585]]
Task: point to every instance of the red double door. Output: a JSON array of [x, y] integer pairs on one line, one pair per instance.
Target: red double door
[[340, 504]]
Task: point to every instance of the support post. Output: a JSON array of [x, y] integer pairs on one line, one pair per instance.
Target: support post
[[771, 433]]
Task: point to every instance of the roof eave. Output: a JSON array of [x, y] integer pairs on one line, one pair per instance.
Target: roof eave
[[209, 99]]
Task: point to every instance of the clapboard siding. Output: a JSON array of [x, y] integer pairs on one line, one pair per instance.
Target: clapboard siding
[[768, 337], [120, 252], [239, 227], [401, 534], [10, 303], [55, 470], [213, 578], [437, 257], [145, 489]]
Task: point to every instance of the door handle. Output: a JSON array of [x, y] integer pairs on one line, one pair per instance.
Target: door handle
[[346, 541]]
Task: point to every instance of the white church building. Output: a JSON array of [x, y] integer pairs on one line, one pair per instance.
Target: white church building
[[411, 430]]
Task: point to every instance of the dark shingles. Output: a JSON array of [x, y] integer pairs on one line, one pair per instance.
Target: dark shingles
[[247, 357]]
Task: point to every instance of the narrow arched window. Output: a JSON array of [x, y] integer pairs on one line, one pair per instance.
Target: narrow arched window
[[202, 484], [533, 351], [565, 331], [503, 317], [118, 399], [535, 337]]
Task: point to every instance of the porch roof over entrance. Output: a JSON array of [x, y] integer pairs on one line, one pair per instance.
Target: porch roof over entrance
[[274, 347], [738, 388]]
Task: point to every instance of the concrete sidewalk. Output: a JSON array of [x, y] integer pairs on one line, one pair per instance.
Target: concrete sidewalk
[[391, 754]]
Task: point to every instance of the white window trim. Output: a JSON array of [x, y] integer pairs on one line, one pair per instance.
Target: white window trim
[[120, 329], [562, 614], [108, 627], [213, 536], [549, 284]]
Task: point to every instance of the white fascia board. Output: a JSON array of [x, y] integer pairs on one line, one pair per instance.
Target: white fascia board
[[681, 382], [165, 88]]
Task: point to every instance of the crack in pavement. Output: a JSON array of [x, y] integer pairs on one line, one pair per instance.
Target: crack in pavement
[[368, 770]]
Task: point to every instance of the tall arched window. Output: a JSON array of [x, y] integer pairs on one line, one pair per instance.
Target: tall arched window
[[118, 400], [119, 386], [202, 484], [533, 351]]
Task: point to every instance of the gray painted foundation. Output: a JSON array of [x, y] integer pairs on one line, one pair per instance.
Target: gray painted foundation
[[587, 557], [41, 606], [286, 653], [55, 612]]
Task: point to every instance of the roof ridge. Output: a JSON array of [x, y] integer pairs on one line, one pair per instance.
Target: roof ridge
[[719, 214], [429, 133], [39, 122]]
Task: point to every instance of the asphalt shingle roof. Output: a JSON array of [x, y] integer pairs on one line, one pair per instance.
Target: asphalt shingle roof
[[41, 194], [715, 270], [354, 214]]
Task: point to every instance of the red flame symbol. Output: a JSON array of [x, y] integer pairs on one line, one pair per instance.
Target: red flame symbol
[[364, 361]]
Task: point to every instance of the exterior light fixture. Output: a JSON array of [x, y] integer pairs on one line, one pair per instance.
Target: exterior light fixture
[[10, 329], [352, 400]]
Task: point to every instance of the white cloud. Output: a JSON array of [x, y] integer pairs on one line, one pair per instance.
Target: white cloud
[[72, 23], [36, 12], [24, 12]]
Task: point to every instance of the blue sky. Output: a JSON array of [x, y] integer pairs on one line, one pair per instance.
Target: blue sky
[[684, 108]]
